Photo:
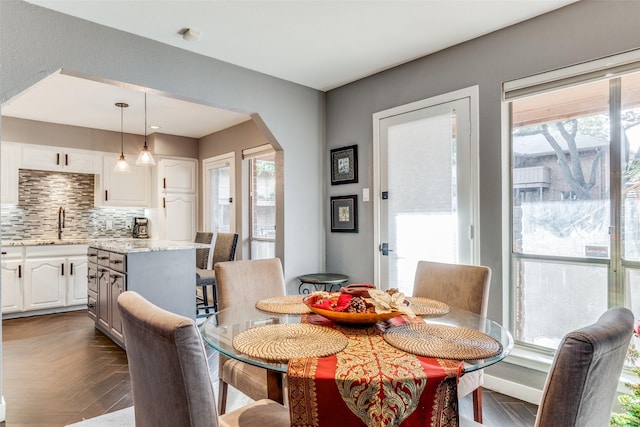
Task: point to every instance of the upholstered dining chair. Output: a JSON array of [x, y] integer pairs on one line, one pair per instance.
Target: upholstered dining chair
[[241, 282], [224, 249], [170, 374], [581, 385], [461, 286]]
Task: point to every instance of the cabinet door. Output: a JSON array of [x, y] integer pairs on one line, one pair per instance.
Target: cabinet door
[[179, 217], [125, 189], [80, 161], [104, 285], [42, 158], [116, 288], [178, 176], [77, 280], [9, 157], [12, 286], [44, 283]]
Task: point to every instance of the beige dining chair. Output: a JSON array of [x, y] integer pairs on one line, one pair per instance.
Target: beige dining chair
[[245, 281], [224, 249], [461, 286], [170, 374], [581, 386]]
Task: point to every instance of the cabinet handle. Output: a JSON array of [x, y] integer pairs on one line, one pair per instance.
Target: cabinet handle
[[90, 305], [106, 195], [71, 269], [19, 271], [4, 253], [103, 257], [58, 159], [164, 183], [62, 265], [164, 202], [91, 276], [66, 160], [117, 261]]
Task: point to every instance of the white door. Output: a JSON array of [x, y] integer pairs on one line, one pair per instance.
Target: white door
[[426, 196], [219, 211], [77, 280], [179, 215]]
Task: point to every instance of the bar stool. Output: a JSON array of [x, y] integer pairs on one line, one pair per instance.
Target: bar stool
[[223, 250]]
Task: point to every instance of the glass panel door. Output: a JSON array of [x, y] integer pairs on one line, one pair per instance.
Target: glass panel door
[[263, 205], [426, 207], [219, 212]]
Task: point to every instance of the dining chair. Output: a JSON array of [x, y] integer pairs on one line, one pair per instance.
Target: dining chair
[[241, 282], [581, 386], [170, 374], [461, 286], [224, 249]]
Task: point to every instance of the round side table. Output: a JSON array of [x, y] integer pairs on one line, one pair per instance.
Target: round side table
[[320, 282]]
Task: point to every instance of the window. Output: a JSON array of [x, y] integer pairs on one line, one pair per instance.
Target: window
[[575, 206], [262, 193]]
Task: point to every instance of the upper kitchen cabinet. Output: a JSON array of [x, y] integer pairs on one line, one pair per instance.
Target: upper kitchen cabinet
[[177, 175], [60, 159], [124, 189], [10, 158]]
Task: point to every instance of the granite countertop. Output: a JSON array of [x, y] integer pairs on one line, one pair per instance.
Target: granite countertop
[[122, 246]]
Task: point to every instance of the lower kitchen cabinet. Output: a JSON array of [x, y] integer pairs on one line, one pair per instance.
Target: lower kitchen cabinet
[[12, 280], [111, 281], [43, 278]]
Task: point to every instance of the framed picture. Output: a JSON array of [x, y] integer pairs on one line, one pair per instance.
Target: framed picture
[[344, 165], [344, 214]]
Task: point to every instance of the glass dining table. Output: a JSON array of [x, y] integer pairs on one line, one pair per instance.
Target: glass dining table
[[220, 329]]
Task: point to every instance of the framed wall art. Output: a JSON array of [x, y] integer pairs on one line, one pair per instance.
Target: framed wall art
[[344, 214], [344, 165]]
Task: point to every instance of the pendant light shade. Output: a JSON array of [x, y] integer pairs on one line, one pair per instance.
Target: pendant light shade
[[145, 158], [122, 165]]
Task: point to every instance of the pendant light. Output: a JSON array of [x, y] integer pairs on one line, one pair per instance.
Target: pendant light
[[122, 165], [145, 158]]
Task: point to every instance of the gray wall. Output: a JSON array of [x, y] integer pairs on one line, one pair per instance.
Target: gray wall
[[35, 42], [580, 32]]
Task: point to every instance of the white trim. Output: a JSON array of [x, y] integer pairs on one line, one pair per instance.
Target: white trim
[[472, 93], [257, 151], [510, 388], [210, 163], [599, 68], [3, 410]]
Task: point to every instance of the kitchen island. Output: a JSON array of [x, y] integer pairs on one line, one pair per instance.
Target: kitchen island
[[161, 271]]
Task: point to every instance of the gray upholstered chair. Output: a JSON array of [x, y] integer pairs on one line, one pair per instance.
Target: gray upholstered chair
[[461, 286], [224, 249], [239, 282], [170, 375], [581, 385]]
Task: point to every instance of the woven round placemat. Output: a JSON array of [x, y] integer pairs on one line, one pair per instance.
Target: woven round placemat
[[443, 341], [428, 307], [282, 342], [290, 304]]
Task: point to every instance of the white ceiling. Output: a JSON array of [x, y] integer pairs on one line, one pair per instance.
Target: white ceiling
[[321, 44]]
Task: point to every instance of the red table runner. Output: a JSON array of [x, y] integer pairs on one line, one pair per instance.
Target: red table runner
[[371, 383]]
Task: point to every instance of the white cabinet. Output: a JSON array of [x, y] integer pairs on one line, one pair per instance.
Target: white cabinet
[[44, 283], [77, 279], [10, 158], [43, 277], [178, 199], [179, 215], [178, 175], [59, 159], [124, 189], [12, 280]]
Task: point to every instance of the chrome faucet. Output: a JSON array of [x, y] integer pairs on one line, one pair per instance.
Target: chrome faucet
[[61, 217]]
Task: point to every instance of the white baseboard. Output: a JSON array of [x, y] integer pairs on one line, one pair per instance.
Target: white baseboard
[[510, 388], [3, 410]]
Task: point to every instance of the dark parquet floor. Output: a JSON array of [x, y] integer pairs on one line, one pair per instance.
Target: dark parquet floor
[[58, 369]]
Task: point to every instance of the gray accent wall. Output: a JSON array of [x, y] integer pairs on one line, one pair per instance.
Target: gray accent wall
[[580, 32]]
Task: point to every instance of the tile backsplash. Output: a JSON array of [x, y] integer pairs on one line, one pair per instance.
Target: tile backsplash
[[42, 193]]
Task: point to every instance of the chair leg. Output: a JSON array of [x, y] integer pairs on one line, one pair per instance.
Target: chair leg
[[222, 396], [477, 405], [205, 298]]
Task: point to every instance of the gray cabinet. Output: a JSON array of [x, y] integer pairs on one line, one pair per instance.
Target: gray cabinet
[[110, 283]]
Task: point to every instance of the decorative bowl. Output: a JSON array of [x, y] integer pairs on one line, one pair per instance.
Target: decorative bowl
[[352, 318]]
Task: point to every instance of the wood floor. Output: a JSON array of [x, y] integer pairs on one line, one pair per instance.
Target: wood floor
[[57, 369]]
